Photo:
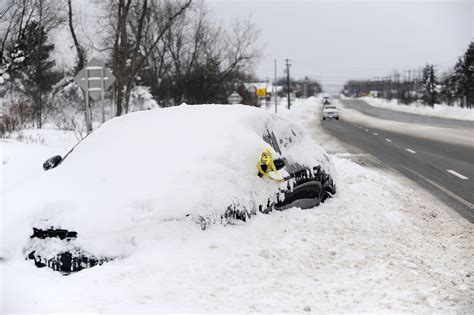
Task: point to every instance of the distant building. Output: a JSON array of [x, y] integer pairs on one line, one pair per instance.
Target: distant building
[[251, 87]]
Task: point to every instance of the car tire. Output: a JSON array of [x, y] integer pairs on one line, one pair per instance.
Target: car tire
[[328, 190], [305, 196]]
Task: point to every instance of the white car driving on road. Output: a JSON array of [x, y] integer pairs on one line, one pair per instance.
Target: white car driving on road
[[330, 112]]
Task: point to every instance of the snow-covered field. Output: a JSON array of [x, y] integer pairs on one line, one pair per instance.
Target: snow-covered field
[[381, 245], [439, 110]]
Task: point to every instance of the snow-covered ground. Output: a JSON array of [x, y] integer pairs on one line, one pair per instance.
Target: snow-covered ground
[[381, 245], [439, 110]]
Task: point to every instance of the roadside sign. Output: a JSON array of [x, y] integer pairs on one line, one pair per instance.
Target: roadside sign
[[94, 79], [261, 92], [234, 98]]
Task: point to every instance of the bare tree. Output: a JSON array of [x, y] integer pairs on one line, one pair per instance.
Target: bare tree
[[81, 56], [8, 16], [228, 54], [184, 44], [15, 17], [130, 22], [176, 50], [198, 61]]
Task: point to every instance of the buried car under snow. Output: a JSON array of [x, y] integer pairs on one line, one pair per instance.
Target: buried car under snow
[[206, 164]]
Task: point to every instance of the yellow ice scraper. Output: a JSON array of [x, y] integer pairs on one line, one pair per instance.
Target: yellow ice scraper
[[268, 165]]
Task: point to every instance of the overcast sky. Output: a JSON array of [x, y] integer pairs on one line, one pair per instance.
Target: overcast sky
[[337, 40]]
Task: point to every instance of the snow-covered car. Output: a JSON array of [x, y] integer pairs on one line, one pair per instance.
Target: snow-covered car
[[330, 112], [187, 164]]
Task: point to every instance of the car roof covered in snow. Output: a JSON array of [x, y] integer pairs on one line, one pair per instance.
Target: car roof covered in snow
[[162, 164]]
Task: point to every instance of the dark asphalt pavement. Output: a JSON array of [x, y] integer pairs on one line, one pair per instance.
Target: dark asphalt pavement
[[446, 170]]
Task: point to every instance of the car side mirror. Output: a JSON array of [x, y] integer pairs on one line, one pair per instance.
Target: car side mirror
[[52, 162]]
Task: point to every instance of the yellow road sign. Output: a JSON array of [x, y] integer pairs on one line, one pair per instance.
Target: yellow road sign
[[261, 92]]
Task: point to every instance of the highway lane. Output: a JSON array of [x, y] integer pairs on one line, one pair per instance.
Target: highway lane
[[393, 115], [446, 170]]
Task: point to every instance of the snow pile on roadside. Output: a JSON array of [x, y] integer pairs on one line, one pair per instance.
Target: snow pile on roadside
[[439, 110]]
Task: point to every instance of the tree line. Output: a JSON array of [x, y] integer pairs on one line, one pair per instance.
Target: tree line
[[175, 50], [455, 87]]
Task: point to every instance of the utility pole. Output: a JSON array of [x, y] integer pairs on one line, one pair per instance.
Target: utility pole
[[275, 87], [416, 74], [267, 103], [397, 77], [390, 86], [408, 87], [377, 86], [432, 85], [288, 80]]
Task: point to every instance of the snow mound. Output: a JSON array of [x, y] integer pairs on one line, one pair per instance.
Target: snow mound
[[439, 110]]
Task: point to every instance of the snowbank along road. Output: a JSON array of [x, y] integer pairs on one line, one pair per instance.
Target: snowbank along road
[[388, 114], [436, 153]]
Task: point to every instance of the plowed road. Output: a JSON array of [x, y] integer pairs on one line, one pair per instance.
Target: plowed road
[[445, 169]]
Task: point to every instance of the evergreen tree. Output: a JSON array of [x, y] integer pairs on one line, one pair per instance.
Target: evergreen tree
[[36, 71], [460, 84], [459, 79], [430, 85], [449, 88], [469, 75]]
